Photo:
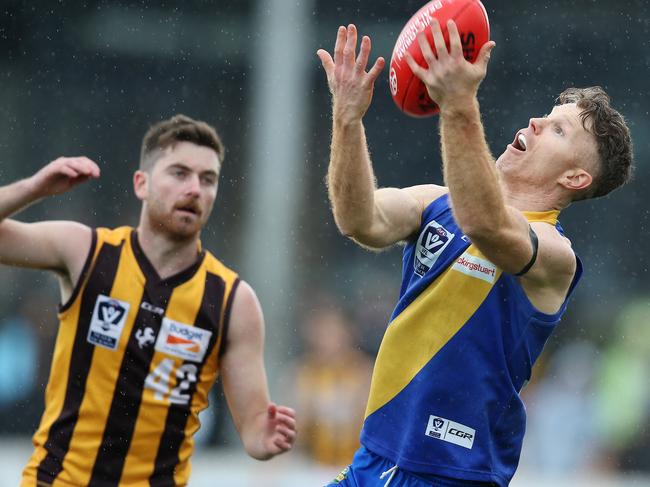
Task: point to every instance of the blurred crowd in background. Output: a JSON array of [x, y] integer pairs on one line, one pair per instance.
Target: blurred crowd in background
[[89, 78]]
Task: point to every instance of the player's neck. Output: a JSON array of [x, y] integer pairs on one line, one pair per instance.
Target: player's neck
[[168, 256], [532, 199]]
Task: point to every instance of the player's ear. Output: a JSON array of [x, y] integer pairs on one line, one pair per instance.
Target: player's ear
[[141, 184], [575, 179]]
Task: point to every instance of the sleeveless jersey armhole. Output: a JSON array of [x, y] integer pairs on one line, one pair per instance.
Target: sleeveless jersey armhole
[[226, 318], [84, 274]]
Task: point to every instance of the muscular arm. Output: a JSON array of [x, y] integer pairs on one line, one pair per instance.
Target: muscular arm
[[374, 218], [59, 246], [264, 428], [497, 229]]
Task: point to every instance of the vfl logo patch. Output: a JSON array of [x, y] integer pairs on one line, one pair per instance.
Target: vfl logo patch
[[451, 432], [183, 341], [432, 242], [107, 322], [476, 267]]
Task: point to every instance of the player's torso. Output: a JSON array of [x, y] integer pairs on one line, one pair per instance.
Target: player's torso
[[134, 360], [460, 345]]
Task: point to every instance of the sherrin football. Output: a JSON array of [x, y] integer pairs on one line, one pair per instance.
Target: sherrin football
[[407, 90]]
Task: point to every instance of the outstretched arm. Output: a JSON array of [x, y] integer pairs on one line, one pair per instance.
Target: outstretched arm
[[56, 245], [374, 218], [477, 199], [500, 231], [265, 428]]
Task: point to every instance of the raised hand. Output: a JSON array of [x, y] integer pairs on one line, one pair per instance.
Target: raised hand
[[449, 77], [351, 86], [62, 174]]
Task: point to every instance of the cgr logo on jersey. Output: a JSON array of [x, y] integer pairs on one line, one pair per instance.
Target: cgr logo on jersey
[[107, 322], [183, 341], [432, 242], [451, 432]]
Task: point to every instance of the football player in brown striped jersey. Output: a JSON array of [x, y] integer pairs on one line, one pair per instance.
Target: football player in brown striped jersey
[[148, 320]]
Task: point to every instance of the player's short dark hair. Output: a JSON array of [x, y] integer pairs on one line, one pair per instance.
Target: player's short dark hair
[[179, 128], [612, 137]]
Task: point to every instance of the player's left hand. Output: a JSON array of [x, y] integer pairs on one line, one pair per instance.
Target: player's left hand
[[351, 86], [449, 78], [280, 429]]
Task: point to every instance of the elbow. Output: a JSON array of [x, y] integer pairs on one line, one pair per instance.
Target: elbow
[[350, 229], [257, 455]]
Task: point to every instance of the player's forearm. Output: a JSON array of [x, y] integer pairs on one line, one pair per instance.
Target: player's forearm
[[469, 170], [16, 196], [252, 433], [350, 179]]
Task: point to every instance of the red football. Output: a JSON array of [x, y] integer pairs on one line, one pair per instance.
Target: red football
[[470, 16]]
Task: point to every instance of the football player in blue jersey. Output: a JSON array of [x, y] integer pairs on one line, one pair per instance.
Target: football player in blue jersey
[[487, 269]]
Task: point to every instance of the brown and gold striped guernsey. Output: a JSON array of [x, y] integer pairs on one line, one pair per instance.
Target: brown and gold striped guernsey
[[135, 357]]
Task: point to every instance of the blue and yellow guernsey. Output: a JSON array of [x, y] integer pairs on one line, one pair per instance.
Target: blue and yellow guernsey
[[460, 346]]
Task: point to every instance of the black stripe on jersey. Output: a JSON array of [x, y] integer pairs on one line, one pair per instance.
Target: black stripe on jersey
[[127, 397], [208, 318], [134, 369], [82, 276], [60, 434], [226, 318]]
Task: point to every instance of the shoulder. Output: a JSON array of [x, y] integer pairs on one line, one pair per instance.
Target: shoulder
[[246, 324], [216, 266], [425, 194], [113, 236], [556, 260], [246, 314], [74, 239]]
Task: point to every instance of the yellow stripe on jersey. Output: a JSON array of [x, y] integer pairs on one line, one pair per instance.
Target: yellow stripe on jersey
[[183, 307], [410, 333], [209, 374], [104, 410], [409, 340], [58, 378], [128, 286]]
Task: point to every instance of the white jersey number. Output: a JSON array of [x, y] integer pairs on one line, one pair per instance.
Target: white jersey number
[[159, 381]]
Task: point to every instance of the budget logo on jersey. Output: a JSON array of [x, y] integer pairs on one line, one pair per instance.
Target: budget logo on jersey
[[107, 322], [183, 341], [450, 431], [432, 242]]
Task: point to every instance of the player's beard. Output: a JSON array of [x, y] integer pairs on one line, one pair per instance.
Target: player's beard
[[172, 224]]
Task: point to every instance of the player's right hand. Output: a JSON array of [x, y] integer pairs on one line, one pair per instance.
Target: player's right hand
[[351, 86], [62, 174]]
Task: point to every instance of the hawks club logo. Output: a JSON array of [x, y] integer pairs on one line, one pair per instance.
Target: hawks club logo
[[145, 337]]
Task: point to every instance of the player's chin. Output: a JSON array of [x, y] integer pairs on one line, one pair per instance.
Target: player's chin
[[185, 229], [506, 162]]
